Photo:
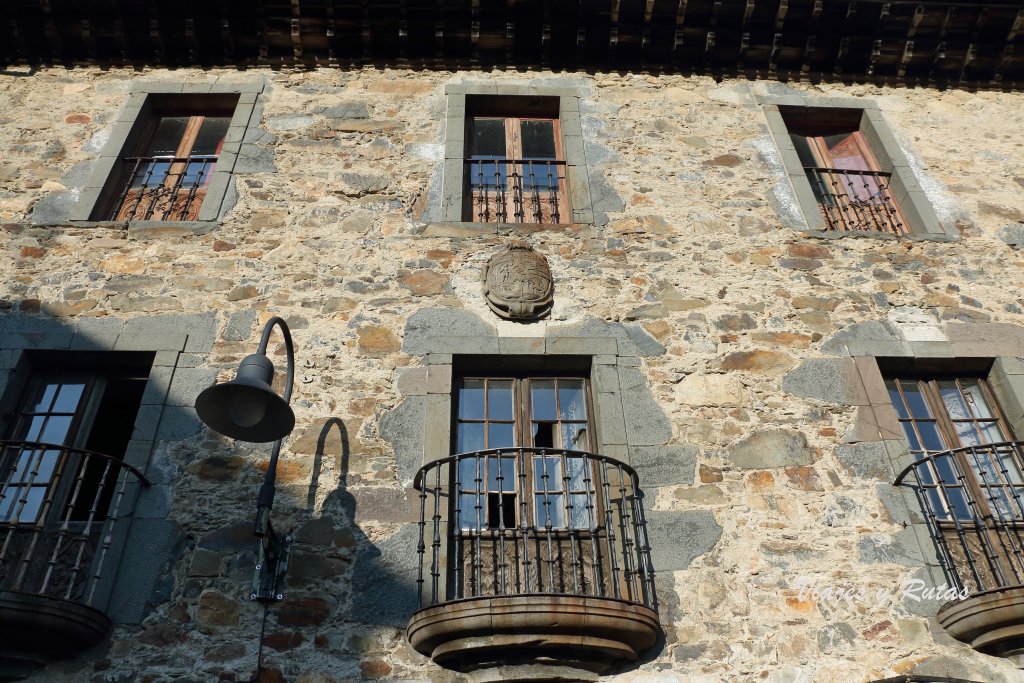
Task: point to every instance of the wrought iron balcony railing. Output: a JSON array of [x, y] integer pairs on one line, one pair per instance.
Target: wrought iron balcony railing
[[528, 521], [164, 188], [973, 503], [516, 191], [60, 509], [856, 200]]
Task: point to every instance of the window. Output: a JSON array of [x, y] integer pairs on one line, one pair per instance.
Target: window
[[61, 471], [549, 417], [515, 167], [168, 175], [171, 157], [514, 154], [851, 192], [847, 170], [968, 473]]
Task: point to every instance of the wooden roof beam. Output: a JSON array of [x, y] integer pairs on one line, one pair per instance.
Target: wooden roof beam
[[227, 39], [296, 30], [780, 14], [52, 34]]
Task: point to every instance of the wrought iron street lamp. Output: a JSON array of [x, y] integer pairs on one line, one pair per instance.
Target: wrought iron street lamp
[[248, 409]]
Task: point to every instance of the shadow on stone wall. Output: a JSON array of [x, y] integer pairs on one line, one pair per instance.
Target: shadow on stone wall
[[383, 575]]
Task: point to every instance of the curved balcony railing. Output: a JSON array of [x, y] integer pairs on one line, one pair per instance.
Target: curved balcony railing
[[529, 521], [973, 503], [60, 511]]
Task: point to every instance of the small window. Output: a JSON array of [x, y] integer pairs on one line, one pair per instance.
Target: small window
[[852, 192], [167, 176], [515, 169]]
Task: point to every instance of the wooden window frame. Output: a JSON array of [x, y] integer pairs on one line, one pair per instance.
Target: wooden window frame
[[794, 113], [522, 436], [516, 192]]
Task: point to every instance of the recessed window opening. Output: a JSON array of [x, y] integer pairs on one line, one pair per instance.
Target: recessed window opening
[[514, 165], [166, 175], [849, 185]]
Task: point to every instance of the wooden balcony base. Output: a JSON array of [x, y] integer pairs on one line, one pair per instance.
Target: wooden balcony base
[[536, 637], [991, 622], [38, 630]]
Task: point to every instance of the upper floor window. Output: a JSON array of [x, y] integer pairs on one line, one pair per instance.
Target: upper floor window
[[64, 485], [171, 157], [514, 155], [851, 190], [514, 164], [847, 170], [166, 177]]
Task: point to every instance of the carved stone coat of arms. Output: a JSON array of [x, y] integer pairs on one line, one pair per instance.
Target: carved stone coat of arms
[[517, 283]]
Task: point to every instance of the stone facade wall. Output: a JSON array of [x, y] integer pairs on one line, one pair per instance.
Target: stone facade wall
[[701, 256]]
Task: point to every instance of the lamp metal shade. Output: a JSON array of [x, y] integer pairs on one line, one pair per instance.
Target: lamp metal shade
[[247, 408]]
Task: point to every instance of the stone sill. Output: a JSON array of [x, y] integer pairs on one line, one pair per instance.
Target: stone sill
[[466, 229], [143, 228], [871, 234]]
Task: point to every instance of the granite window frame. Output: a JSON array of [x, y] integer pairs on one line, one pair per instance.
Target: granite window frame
[[453, 179], [913, 203], [131, 125]]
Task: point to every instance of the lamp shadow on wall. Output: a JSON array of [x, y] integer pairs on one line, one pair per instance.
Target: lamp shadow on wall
[[383, 574]]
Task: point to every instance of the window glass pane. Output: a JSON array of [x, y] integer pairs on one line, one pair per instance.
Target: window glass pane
[[167, 136], [580, 478], [542, 398], [574, 436], [211, 135], [469, 437], [471, 511], [581, 517], [571, 402], [471, 400], [56, 429], [954, 403], [961, 508], [930, 436], [538, 139], [488, 137], [1010, 465], [547, 474], [908, 430], [967, 433], [24, 503], [507, 469], [975, 398], [35, 428], [499, 399], [991, 433], [468, 473], [68, 398], [947, 470], [897, 400], [550, 509], [43, 404], [501, 435], [918, 408]]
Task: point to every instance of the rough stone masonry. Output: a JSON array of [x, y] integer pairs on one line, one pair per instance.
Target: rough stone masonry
[[696, 247]]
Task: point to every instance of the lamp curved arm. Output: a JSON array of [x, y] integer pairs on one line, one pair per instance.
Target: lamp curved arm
[[289, 348]]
